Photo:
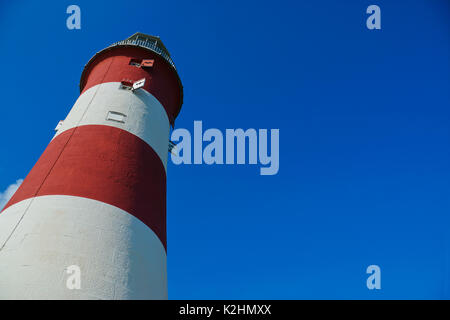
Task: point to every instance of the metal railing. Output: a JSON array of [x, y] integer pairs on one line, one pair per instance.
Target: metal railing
[[146, 44]]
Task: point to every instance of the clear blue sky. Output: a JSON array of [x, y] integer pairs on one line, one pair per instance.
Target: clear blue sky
[[364, 136]]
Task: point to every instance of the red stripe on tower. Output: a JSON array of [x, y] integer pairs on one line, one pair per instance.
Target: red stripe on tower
[[133, 179]]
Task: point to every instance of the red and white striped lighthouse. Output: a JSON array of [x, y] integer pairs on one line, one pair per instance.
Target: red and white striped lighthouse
[[96, 198]]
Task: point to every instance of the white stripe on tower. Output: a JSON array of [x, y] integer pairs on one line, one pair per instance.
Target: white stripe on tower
[[142, 114], [96, 198], [118, 255]]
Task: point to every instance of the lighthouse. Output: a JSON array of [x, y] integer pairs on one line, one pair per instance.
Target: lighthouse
[[89, 220]]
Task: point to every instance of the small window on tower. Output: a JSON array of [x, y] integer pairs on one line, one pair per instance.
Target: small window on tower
[[125, 87], [135, 62], [116, 116], [126, 84], [147, 63]]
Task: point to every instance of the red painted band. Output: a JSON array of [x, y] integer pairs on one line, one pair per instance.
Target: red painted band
[[106, 164], [161, 80]]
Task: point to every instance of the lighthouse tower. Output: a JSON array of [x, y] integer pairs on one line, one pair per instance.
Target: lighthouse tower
[[89, 220]]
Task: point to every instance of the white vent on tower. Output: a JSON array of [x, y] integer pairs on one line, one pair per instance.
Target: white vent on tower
[[116, 116], [138, 84]]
